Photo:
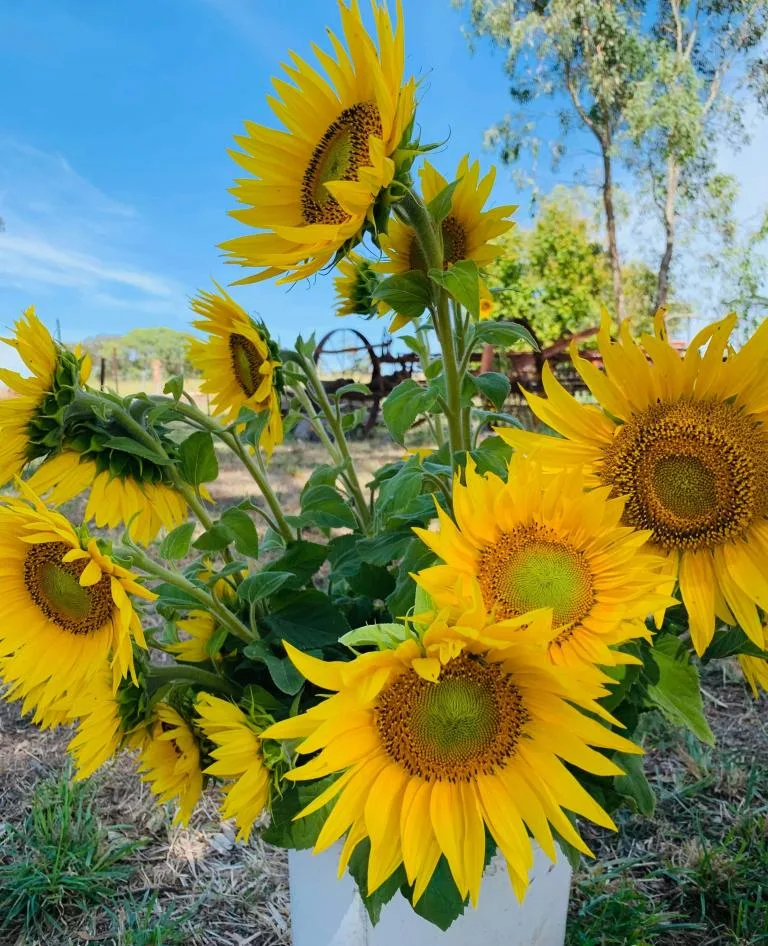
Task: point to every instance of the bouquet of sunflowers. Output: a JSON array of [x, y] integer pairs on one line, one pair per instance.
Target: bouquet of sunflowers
[[448, 660]]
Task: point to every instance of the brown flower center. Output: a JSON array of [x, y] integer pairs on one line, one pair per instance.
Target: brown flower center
[[339, 155], [466, 724], [246, 363], [694, 472], [54, 587]]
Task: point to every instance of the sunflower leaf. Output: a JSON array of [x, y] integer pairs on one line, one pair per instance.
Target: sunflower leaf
[[176, 544], [503, 333], [198, 458], [462, 282], [494, 386], [440, 206], [677, 694], [633, 784], [404, 404], [407, 293]]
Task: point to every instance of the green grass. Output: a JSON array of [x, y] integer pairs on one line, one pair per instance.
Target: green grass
[[59, 861], [143, 923]]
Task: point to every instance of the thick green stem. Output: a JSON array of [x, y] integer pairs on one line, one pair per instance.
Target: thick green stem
[[225, 617], [415, 211], [186, 673]]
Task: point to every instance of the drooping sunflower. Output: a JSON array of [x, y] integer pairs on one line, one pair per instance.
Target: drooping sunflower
[[144, 507], [65, 610], [200, 626], [28, 416], [313, 187], [170, 762], [435, 742], [684, 439], [238, 759], [355, 284], [529, 544], [467, 230], [239, 366]]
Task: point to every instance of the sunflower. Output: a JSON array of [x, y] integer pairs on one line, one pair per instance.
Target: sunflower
[[237, 362], [238, 759], [113, 499], [436, 741], [170, 762], [65, 609], [684, 439], [355, 284], [200, 626], [529, 544], [313, 187], [26, 417], [467, 230]]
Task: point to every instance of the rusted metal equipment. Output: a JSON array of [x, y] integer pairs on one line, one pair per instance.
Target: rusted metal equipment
[[345, 356]]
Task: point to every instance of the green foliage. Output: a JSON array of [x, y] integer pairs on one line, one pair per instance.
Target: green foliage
[[677, 692], [137, 349], [61, 859], [198, 458]]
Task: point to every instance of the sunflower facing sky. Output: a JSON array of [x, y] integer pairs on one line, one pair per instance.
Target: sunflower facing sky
[[684, 439], [22, 417], [467, 230], [113, 500], [530, 544], [238, 366], [65, 610], [313, 186], [435, 742], [169, 762], [238, 760]]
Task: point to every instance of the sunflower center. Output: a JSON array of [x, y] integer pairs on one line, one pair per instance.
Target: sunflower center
[[246, 363], [454, 246], [454, 241], [338, 156], [466, 724], [532, 567], [54, 587], [694, 472]]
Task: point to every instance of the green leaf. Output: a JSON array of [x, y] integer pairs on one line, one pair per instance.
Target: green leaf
[[262, 585], [422, 601], [174, 386], [385, 548], [383, 636], [243, 529], [134, 449], [356, 387], [176, 544], [440, 206], [358, 868], [306, 619], [677, 693], [462, 282], [327, 508], [284, 675], [730, 641], [175, 597], [634, 784], [503, 333], [372, 581], [198, 458], [397, 493], [299, 835], [416, 557], [494, 386], [408, 293], [404, 404], [215, 539], [441, 903], [344, 556], [493, 455], [302, 559]]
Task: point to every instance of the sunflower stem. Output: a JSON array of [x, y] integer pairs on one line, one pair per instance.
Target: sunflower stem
[[430, 239], [349, 474], [222, 614], [187, 673]]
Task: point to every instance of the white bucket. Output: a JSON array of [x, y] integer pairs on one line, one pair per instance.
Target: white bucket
[[329, 912]]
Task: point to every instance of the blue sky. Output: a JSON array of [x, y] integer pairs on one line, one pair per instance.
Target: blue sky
[[114, 129]]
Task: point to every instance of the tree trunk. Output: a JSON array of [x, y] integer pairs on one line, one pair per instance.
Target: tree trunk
[[662, 280], [610, 225]]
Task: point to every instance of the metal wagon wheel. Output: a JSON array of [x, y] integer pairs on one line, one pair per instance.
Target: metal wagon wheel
[[344, 356]]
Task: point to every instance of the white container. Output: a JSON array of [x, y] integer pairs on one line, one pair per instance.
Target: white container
[[329, 912]]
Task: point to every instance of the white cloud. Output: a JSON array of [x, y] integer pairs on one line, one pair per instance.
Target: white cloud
[[62, 234]]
